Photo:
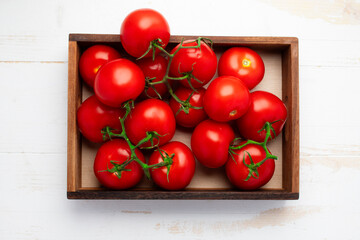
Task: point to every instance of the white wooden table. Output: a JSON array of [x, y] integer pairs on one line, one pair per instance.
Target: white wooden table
[[33, 98]]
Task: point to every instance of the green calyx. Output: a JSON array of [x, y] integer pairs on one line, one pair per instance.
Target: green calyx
[[158, 44], [154, 44], [151, 136], [167, 162], [186, 105], [268, 126], [117, 168], [253, 172], [189, 76], [150, 84]]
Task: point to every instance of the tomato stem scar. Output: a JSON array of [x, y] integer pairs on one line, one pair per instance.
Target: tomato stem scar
[[246, 62]]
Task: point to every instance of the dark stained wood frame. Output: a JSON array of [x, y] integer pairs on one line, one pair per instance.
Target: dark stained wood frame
[[287, 46]]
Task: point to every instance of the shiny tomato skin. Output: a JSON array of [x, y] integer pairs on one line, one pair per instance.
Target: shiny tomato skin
[[139, 28], [93, 116], [92, 59], [119, 81], [226, 98], [202, 60], [243, 63], [264, 107], [117, 150], [154, 69], [181, 170], [150, 115], [195, 116], [237, 172], [210, 143]]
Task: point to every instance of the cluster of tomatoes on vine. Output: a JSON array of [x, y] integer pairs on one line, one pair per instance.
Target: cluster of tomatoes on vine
[[138, 103]]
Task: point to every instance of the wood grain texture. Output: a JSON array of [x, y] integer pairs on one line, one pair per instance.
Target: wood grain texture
[[187, 195], [274, 43], [74, 101], [290, 80]]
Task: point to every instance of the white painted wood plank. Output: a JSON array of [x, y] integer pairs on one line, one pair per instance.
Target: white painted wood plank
[[336, 19], [329, 112], [33, 107], [34, 48], [329, 53]]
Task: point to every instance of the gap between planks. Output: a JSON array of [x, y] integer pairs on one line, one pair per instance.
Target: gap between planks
[[34, 62]]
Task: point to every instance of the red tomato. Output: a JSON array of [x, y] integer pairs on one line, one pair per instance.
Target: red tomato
[[150, 115], [210, 143], [227, 98], [92, 59], [119, 81], [117, 151], [202, 60], [264, 107], [243, 63], [195, 116], [93, 116], [181, 170], [141, 27], [237, 172], [154, 69]]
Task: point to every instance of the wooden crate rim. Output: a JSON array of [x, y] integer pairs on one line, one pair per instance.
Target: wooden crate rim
[[288, 47], [268, 40], [184, 195]]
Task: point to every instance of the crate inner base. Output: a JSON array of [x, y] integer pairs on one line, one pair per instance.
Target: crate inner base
[[204, 178]]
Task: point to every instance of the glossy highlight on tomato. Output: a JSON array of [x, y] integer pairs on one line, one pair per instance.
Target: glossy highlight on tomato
[[181, 170], [210, 143], [194, 116], [141, 27], [117, 151], [264, 107], [92, 59], [237, 172], [150, 115], [226, 98], [243, 63], [93, 116], [119, 81], [201, 62]]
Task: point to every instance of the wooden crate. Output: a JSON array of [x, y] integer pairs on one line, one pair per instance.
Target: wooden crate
[[280, 55]]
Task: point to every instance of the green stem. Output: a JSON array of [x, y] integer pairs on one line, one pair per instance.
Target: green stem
[[185, 105], [177, 78], [252, 166], [107, 132]]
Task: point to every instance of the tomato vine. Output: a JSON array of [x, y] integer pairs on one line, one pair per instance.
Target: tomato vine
[[156, 44], [108, 133], [253, 172], [150, 136]]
